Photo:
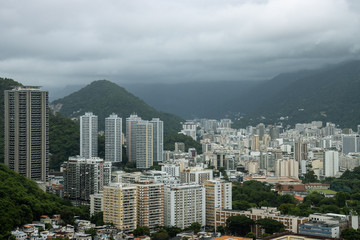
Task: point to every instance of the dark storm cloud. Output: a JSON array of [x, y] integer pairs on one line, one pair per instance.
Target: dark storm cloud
[[64, 42]]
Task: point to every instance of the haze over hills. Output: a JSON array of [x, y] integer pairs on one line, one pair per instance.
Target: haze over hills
[[103, 97]]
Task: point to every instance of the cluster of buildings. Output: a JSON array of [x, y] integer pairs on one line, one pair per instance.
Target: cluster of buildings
[[185, 190]]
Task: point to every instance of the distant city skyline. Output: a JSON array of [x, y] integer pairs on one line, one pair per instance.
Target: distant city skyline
[[173, 41]]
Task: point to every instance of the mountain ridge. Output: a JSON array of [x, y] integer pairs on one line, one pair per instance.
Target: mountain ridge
[[103, 97]]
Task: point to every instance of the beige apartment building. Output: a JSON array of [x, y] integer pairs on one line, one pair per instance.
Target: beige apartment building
[[218, 195], [120, 206], [150, 204], [291, 223]]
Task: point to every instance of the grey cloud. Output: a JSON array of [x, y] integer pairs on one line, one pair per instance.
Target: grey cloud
[[63, 42]]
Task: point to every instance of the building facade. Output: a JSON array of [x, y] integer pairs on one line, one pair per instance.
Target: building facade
[[184, 205], [88, 135], [218, 195], [113, 138], [150, 204], [26, 135], [158, 143], [120, 206]]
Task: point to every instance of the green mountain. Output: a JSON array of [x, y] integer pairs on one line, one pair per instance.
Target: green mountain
[[22, 201], [104, 97], [330, 95]]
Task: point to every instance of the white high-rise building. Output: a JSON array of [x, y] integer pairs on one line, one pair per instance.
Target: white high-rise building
[[158, 143], [331, 163], [113, 138], [189, 129], [184, 205], [88, 135]]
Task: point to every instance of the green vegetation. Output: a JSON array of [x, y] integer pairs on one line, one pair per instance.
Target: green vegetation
[[350, 234], [164, 233], [5, 84], [239, 225], [64, 139], [171, 139], [104, 97], [348, 182], [324, 191], [22, 201], [270, 225], [141, 231]]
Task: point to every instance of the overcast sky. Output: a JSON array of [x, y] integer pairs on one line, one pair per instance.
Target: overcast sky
[[55, 43]]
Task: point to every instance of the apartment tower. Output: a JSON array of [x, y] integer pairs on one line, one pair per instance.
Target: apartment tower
[[120, 206], [218, 195], [150, 204], [88, 135], [26, 135], [113, 138]]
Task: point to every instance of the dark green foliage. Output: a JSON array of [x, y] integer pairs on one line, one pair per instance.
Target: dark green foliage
[[92, 232], [270, 225], [257, 194], [64, 139], [170, 140], [195, 226], [101, 146], [349, 182], [239, 225], [141, 231], [350, 234], [310, 177], [22, 201], [162, 234], [5, 84], [97, 219], [104, 97], [221, 229], [172, 231]]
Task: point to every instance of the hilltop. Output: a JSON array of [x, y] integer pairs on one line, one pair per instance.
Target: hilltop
[[103, 97]]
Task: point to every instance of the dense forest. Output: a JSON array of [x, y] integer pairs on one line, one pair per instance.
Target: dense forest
[[22, 201]]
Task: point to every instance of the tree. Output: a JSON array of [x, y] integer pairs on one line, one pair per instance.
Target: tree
[[350, 234], [92, 232], [196, 227], [141, 231], [270, 225], [279, 187], [310, 177], [97, 219], [221, 229], [291, 188], [162, 234], [172, 231], [251, 235], [240, 225]]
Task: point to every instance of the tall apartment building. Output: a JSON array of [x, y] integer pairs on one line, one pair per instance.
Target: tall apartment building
[[287, 168], [144, 145], [158, 135], [113, 138], [255, 144], [184, 205], [131, 123], [26, 135], [96, 203], [218, 195], [144, 141], [150, 204], [85, 176], [88, 135], [350, 143], [300, 151], [331, 163], [120, 206]]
